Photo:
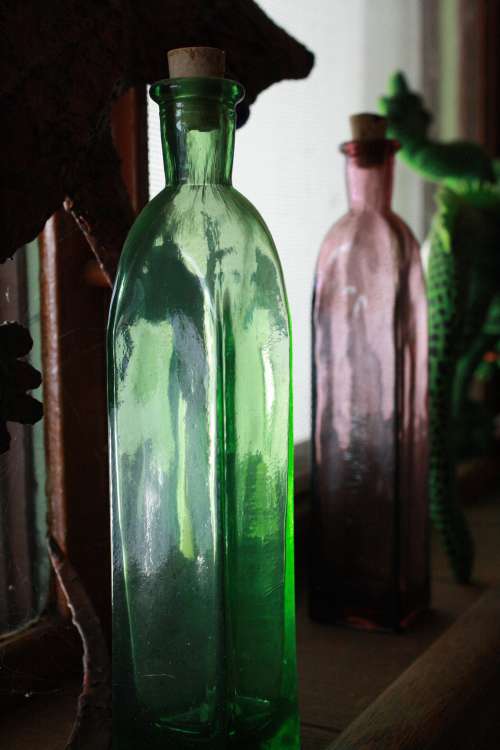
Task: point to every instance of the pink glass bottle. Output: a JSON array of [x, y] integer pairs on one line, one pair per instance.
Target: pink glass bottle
[[369, 536]]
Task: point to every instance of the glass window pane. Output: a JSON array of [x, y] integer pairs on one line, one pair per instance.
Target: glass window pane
[[24, 566]]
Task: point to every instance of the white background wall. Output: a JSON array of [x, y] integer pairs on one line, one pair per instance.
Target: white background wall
[[287, 160]]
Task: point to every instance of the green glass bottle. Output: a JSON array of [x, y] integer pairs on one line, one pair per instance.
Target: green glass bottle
[[201, 454]]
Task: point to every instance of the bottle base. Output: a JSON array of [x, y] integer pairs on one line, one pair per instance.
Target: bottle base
[[390, 614], [256, 726]]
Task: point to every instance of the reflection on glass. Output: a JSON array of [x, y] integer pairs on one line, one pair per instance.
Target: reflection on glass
[[200, 439], [369, 544], [24, 566]]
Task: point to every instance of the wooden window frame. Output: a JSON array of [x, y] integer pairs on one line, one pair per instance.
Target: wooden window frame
[[74, 311], [479, 104]]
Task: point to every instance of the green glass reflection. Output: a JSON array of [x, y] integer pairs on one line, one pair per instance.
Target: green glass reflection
[[201, 454]]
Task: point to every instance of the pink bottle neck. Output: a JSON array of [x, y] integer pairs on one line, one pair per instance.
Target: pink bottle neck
[[369, 173]]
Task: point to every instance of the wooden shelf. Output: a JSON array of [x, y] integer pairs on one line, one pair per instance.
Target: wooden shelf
[[342, 672]]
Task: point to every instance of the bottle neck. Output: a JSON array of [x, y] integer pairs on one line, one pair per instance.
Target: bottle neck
[[197, 117], [369, 174]]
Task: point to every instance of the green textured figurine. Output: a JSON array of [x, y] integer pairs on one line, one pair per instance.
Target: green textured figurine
[[463, 287]]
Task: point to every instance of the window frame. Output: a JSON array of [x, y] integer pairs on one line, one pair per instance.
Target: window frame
[[74, 311], [479, 102]]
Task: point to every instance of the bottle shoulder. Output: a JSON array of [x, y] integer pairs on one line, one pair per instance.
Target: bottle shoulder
[[198, 243], [356, 220], [193, 212], [368, 237], [195, 200]]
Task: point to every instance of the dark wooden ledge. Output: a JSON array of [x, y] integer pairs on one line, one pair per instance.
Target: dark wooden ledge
[[435, 687], [448, 698]]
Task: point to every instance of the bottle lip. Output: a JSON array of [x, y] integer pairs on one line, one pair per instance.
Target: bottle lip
[[371, 149], [223, 90]]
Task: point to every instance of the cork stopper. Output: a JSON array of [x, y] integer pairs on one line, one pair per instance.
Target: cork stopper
[[368, 127], [196, 62]]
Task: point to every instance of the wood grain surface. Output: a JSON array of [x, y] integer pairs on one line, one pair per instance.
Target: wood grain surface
[[441, 699], [342, 671]]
